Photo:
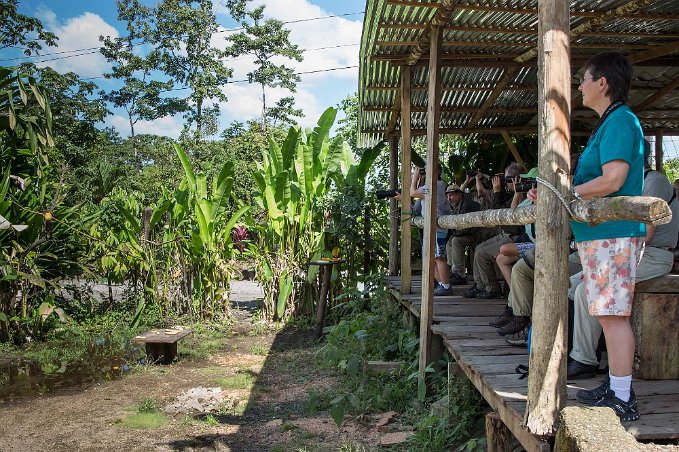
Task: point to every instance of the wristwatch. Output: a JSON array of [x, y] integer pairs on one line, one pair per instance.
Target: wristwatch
[[575, 194]]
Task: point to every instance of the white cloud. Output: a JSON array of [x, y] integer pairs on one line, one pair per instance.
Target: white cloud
[[169, 126], [245, 100], [79, 32]]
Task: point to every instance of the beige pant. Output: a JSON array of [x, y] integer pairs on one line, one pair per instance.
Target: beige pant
[[522, 285], [485, 269], [655, 262], [455, 248]]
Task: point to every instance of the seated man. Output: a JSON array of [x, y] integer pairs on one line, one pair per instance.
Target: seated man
[[486, 282], [459, 239], [517, 315], [656, 261]]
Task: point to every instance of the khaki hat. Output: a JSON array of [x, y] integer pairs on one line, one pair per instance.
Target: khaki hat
[[452, 188]]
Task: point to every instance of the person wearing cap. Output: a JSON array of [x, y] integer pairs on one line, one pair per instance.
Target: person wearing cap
[[458, 238], [656, 262], [486, 281]]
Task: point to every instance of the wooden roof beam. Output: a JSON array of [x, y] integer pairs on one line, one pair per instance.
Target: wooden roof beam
[[653, 98], [533, 32], [453, 110], [523, 44], [595, 14]]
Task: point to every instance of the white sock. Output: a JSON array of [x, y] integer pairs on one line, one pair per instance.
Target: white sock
[[445, 286], [621, 386]]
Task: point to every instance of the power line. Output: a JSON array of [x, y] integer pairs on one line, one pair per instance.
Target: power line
[[242, 58], [226, 30], [296, 73]]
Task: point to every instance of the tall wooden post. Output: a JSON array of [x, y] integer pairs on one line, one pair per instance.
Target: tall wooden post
[[547, 379], [406, 209], [433, 122], [658, 151], [393, 207]]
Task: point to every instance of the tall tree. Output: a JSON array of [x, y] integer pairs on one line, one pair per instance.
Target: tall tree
[[141, 95], [266, 40], [184, 29], [17, 30]]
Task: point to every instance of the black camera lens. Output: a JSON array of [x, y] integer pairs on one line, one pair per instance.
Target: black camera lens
[[472, 173], [422, 172]]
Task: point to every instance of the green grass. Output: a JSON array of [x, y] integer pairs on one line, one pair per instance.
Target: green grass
[[145, 420], [242, 380], [211, 420], [259, 350]]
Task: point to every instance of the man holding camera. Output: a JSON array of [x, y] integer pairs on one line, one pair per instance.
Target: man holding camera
[[459, 239], [417, 191], [486, 281]]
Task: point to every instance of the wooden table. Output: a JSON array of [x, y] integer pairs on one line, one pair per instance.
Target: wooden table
[[326, 266], [161, 344]]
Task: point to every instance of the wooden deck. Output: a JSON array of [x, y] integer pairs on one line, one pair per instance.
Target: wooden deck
[[489, 362]]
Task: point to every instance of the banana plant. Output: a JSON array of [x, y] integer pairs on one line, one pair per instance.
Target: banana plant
[[293, 180]]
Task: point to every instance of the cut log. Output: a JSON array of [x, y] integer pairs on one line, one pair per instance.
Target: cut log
[[578, 423], [644, 209]]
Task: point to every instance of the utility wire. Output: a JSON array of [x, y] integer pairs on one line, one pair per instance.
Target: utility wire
[[226, 30], [242, 58]]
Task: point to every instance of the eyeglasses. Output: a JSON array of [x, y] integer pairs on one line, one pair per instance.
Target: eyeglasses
[[580, 80]]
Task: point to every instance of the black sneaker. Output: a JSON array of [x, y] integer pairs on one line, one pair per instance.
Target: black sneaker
[[503, 318], [441, 291], [626, 411], [577, 370], [490, 294], [519, 339], [471, 293], [591, 396], [457, 280]]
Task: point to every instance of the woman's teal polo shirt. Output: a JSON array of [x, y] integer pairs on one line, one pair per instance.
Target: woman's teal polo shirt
[[619, 138]]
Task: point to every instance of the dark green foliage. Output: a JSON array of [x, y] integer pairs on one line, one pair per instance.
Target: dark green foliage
[[16, 30]]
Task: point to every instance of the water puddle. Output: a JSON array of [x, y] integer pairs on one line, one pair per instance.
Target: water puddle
[[22, 378]]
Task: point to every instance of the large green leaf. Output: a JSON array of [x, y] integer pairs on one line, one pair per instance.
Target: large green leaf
[[284, 291], [322, 130], [188, 171], [289, 147]]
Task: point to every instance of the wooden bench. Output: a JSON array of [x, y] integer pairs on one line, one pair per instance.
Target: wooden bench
[[655, 322], [161, 344]]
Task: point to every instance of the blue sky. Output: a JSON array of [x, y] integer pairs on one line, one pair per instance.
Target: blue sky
[[78, 23]]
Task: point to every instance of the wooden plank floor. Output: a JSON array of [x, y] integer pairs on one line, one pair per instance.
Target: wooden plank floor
[[490, 362]]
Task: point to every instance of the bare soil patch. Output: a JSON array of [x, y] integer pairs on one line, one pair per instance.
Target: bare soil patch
[[269, 375]]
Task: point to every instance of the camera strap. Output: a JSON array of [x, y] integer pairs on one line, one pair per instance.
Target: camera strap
[[610, 109]]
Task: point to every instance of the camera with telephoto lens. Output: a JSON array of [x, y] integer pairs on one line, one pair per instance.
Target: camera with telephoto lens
[[525, 185], [384, 194], [422, 172], [472, 173]]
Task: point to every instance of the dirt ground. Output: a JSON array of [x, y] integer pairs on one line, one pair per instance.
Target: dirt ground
[[270, 414]]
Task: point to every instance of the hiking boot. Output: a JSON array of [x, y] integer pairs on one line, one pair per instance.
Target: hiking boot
[[577, 370], [441, 291], [518, 323], [489, 294], [591, 396], [457, 280], [471, 293], [503, 318], [519, 339], [626, 411]]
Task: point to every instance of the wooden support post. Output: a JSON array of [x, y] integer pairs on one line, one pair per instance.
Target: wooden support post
[[499, 437], [658, 151], [433, 123], [393, 207], [322, 300], [547, 379], [513, 149], [406, 209]]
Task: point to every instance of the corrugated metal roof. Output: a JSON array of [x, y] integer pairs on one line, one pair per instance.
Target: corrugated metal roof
[[481, 40]]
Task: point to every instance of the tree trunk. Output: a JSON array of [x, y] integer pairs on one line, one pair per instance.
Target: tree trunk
[[547, 362], [394, 219], [643, 209], [406, 251]]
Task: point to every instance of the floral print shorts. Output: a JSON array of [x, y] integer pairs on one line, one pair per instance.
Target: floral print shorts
[[609, 268]]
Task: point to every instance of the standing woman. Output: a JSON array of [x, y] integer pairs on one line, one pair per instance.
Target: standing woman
[[611, 165]]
